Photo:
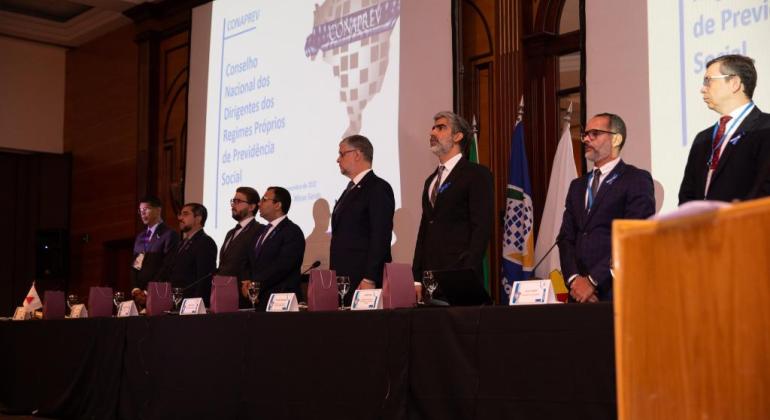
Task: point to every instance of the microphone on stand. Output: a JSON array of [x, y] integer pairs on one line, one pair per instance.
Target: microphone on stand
[[316, 264], [556, 242], [189, 286]]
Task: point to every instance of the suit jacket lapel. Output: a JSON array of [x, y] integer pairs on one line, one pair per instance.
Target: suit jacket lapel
[[746, 125], [447, 182], [605, 188], [348, 197]]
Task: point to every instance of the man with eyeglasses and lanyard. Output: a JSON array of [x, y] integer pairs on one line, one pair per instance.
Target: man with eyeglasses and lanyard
[[234, 253], [150, 247], [612, 190], [729, 160]]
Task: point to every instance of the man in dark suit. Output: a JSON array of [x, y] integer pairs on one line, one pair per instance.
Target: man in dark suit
[[362, 220], [613, 190], [193, 261], [150, 247], [457, 203], [234, 254], [729, 160], [275, 257]]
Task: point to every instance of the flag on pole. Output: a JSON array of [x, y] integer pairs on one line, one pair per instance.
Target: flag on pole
[[518, 240], [563, 172], [32, 301], [473, 156]]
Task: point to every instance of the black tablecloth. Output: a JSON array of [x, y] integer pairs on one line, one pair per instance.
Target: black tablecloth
[[554, 361]]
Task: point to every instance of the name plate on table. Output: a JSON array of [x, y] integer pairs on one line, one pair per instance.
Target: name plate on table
[[367, 299], [532, 292], [21, 314], [127, 308], [192, 306], [78, 311], [282, 302]]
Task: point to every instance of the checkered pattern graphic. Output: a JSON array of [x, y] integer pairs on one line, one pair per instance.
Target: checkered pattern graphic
[[518, 226], [360, 66]]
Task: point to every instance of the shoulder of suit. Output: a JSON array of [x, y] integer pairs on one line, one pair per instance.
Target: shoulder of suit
[[635, 171]]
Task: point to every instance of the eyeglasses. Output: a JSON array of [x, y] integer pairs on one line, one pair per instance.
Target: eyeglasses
[[707, 80], [236, 201], [267, 199], [594, 133], [143, 210], [343, 153]]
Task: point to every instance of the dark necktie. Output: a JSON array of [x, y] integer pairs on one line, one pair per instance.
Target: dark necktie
[[434, 192], [146, 239], [716, 148], [595, 186], [233, 232], [350, 186], [261, 239]]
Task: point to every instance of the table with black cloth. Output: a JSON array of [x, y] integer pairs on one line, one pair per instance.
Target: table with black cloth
[[526, 362]]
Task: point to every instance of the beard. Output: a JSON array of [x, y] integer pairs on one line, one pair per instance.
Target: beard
[[240, 215], [440, 147]]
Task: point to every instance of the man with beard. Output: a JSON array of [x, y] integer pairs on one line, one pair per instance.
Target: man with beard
[[457, 203], [194, 260], [150, 247], [613, 190], [362, 220], [234, 254]]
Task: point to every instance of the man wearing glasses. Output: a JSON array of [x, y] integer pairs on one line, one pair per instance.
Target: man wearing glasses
[[612, 190], [729, 160], [362, 220], [275, 257], [150, 247], [234, 254]]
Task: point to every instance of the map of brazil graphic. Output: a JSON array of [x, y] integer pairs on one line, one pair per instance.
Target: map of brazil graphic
[[353, 37]]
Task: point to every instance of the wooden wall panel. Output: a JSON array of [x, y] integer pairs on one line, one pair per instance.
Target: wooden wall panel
[[100, 129], [174, 53]]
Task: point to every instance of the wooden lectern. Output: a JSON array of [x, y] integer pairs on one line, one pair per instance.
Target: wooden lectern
[[692, 315]]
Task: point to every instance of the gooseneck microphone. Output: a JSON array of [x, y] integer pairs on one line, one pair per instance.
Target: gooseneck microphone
[[316, 264]]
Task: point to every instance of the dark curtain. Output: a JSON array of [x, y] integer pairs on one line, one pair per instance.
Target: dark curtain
[[35, 191]]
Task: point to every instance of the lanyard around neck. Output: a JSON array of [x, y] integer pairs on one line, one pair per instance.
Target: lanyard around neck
[[730, 125]]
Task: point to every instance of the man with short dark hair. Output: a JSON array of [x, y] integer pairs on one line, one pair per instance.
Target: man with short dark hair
[[457, 204], [191, 264], [729, 160], [150, 247], [275, 257], [234, 254], [362, 220], [613, 190]]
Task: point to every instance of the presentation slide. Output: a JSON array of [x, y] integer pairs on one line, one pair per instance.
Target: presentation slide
[[275, 86], [683, 36]]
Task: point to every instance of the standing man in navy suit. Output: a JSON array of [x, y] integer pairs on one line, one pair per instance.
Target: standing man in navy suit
[[613, 190], [457, 204], [362, 220], [151, 246], [729, 160], [276, 255], [193, 261]]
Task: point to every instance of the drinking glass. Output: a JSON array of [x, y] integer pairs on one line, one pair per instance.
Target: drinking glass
[[72, 300], [343, 285], [254, 287], [430, 283], [118, 297], [177, 294]]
